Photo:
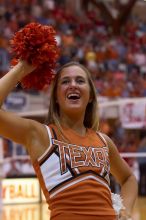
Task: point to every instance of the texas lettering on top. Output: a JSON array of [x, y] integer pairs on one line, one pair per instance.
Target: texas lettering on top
[[81, 157]]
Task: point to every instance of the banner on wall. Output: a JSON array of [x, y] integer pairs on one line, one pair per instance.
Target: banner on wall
[[23, 102], [133, 115], [20, 191]]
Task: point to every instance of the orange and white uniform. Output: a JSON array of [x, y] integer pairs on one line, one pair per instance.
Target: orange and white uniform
[[74, 176]]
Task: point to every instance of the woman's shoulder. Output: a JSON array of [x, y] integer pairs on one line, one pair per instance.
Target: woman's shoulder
[[109, 142]]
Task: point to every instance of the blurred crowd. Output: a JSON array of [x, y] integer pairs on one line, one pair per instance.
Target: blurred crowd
[[117, 63]]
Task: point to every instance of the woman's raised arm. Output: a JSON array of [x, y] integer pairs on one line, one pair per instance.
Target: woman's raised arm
[[24, 131]]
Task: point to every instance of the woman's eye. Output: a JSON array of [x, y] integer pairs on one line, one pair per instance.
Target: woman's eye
[[65, 82], [80, 81]]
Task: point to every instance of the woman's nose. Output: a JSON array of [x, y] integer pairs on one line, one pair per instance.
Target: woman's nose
[[73, 83]]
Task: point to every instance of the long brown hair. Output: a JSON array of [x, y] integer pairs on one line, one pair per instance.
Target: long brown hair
[[91, 119]]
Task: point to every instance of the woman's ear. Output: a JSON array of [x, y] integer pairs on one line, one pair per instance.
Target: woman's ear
[[90, 99]]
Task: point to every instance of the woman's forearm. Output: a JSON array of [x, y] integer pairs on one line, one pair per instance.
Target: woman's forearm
[[129, 191], [10, 80]]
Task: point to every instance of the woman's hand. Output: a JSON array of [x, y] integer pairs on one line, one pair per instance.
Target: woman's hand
[[24, 68], [124, 215], [14, 76]]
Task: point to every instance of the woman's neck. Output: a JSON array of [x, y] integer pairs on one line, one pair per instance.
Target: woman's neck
[[75, 124]]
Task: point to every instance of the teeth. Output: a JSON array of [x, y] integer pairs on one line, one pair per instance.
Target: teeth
[[73, 95]]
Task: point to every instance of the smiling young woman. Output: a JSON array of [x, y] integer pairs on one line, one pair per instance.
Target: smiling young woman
[[72, 159], [74, 77]]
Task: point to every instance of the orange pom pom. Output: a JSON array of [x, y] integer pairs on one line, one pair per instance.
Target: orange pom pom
[[36, 44]]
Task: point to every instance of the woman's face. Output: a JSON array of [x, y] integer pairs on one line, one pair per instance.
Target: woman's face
[[73, 91]]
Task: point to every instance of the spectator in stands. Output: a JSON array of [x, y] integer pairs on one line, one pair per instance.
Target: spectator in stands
[[71, 158], [4, 57], [12, 168], [142, 167], [110, 51]]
